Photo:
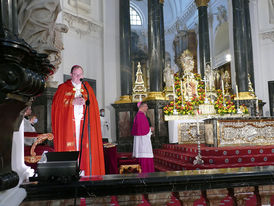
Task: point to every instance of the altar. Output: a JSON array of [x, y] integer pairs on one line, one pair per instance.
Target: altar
[[220, 131], [183, 129], [239, 131]]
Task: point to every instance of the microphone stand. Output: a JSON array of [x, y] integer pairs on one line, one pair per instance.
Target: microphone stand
[[82, 133]]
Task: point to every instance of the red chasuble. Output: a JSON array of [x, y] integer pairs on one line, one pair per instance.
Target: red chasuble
[[63, 127]]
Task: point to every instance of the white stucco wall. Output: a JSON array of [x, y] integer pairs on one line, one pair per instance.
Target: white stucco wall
[[92, 41], [111, 61], [263, 49]]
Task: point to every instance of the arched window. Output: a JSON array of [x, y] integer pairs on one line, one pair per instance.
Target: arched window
[[135, 18]]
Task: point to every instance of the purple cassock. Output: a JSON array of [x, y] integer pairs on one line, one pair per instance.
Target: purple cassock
[[142, 148]]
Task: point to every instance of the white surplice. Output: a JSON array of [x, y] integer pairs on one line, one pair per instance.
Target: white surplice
[[142, 147], [78, 113]]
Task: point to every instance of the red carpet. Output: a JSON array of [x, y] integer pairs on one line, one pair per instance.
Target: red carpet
[[172, 157]]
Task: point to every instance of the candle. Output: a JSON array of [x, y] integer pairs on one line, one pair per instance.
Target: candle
[[223, 90], [205, 85], [173, 96], [198, 125], [182, 96], [173, 89], [187, 89], [181, 88], [257, 106], [237, 93]]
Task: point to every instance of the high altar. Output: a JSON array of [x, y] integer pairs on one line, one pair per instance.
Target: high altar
[[217, 117]]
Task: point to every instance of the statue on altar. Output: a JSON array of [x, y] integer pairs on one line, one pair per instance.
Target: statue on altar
[[187, 62], [210, 77], [227, 81], [250, 87], [168, 77], [190, 85]]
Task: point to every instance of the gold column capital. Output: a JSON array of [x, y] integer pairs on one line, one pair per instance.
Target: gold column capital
[[162, 1], [155, 96], [200, 3], [124, 99], [245, 96]]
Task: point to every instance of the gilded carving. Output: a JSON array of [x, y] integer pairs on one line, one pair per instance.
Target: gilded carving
[[246, 132], [200, 3], [187, 133]]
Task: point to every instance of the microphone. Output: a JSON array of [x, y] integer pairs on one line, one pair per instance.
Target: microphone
[[82, 80]]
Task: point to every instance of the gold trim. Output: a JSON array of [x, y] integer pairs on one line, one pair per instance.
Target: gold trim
[[124, 99], [17, 97], [248, 122], [155, 96], [126, 167], [245, 96], [200, 3], [202, 116], [70, 93], [218, 134], [161, 1]]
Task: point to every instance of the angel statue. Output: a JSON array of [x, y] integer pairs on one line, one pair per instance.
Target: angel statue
[[168, 76], [210, 76]]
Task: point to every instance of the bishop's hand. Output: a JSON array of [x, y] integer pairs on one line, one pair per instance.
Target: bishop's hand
[[78, 101]]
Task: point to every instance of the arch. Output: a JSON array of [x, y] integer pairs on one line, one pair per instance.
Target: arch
[[136, 16]]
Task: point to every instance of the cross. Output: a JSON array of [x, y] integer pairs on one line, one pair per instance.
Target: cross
[[205, 80]]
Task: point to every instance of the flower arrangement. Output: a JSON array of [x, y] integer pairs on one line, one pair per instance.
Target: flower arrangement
[[244, 109], [185, 107], [222, 105], [227, 107]]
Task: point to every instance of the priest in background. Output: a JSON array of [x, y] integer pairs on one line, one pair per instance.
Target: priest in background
[[68, 106], [142, 148]]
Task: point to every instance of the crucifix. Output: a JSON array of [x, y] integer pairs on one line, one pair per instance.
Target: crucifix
[[205, 80]]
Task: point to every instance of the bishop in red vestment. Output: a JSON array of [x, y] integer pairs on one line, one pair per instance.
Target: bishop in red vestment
[[68, 107]]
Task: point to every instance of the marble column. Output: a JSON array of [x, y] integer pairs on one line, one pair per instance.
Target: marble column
[[250, 64], [125, 57], [8, 17], [162, 31], [156, 48], [242, 44], [204, 47]]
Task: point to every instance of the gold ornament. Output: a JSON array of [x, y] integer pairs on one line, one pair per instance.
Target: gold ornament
[[200, 3]]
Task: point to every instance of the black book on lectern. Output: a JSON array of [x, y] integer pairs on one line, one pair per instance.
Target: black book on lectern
[[58, 167]]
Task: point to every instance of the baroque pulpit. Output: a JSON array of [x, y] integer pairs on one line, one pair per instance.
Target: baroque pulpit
[[23, 74]]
